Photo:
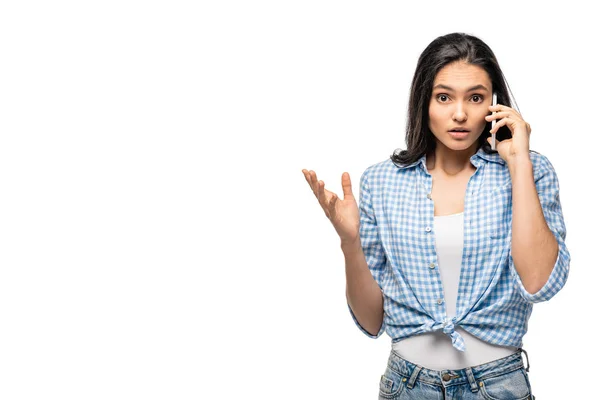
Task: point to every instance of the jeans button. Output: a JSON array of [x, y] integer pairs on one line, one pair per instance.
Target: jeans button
[[446, 377]]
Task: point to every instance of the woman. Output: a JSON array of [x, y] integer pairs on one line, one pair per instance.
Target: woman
[[453, 241]]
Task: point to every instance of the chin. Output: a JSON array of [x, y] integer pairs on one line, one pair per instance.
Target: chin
[[456, 144], [459, 146]]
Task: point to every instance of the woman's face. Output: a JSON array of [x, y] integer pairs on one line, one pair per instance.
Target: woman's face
[[461, 95]]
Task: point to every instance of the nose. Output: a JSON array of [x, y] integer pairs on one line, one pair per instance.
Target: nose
[[459, 114]]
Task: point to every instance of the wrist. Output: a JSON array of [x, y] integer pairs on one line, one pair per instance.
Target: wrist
[[350, 246], [519, 163]]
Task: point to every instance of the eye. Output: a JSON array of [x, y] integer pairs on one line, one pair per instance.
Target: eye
[[439, 96], [479, 97]]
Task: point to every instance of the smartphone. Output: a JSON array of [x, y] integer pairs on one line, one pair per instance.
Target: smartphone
[[494, 102]]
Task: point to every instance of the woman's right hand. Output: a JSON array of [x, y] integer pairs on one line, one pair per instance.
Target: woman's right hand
[[343, 213]]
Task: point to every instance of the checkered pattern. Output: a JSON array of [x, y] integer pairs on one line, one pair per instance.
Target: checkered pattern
[[397, 236]]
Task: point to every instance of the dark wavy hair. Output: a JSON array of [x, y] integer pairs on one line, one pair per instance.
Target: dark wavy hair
[[441, 52]]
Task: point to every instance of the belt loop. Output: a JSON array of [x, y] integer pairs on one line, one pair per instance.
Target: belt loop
[[413, 377], [526, 356], [472, 381]]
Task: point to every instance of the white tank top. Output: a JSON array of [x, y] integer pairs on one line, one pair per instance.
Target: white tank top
[[434, 350]]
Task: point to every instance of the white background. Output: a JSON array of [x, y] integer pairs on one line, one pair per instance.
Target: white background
[[157, 237]]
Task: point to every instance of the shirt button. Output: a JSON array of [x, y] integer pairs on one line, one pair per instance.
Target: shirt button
[[429, 196], [440, 301], [428, 229], [432, 265]]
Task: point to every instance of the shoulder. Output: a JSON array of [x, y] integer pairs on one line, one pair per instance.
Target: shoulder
[[376, 174]]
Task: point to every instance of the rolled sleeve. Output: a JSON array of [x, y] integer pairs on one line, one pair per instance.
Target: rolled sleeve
[[371, 245], [548, 192]]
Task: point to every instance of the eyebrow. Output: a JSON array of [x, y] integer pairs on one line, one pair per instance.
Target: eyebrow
[[476, 87]]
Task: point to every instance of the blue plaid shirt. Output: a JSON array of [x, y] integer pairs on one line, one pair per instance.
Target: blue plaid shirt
[[397, 237]]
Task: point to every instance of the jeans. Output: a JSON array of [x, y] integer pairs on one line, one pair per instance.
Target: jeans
[[502, 379]]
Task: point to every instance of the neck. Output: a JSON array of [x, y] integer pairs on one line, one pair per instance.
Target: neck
[[450, 162]]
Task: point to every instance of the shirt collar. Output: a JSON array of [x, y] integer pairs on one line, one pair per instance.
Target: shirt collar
[[493, 157]]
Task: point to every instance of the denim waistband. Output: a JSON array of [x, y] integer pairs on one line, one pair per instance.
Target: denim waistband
[[451, 377]]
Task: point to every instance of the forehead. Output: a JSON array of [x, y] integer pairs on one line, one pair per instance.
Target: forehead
[[461, 75]]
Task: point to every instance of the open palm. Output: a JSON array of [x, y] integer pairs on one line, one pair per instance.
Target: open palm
[[343, 213]]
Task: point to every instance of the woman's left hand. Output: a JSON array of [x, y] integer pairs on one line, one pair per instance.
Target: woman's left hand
[[518, 145]]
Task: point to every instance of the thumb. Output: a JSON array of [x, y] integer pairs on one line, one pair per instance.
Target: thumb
[[347, 185]]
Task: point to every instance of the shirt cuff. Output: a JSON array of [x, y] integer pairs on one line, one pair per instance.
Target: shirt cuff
[[555, 282]]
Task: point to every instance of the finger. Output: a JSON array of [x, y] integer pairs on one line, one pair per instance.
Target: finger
[[332, 203], [318, 192], [308, 179], [322, 197], [499, 107], [325, 198], [500, 123], [503, 114], [314, 183], [503, 110], [496, 115], [490, 141], [347, 185]]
